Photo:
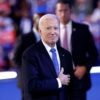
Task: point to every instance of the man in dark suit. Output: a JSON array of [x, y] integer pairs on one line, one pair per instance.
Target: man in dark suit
[[25, 40], [40, 79], [22, 43], [79, 42]]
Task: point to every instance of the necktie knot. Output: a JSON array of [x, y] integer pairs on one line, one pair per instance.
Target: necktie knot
[[53, 50]]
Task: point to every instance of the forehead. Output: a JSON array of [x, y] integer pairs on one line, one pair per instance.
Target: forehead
[[50, 21], [62, 6]]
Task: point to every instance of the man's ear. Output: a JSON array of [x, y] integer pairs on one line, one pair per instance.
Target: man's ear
[[39, 30]]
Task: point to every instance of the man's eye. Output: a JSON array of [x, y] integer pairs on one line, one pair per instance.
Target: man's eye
[[48, 28], [56, 28]]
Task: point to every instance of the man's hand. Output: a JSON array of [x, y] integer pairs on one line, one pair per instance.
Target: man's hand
[[65, 79], [80, 71]]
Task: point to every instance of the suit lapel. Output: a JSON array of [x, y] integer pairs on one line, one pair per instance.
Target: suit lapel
[[73, 27], [61, 55], [74, 32]]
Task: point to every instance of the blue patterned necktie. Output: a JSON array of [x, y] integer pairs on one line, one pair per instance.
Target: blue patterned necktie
[[54, 59]]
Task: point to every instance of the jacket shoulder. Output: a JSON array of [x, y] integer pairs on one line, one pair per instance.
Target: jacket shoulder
[[63, 51], [80, 25], [31, 49]]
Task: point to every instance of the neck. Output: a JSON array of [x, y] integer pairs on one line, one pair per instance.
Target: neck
[[65, 22], [51, 45]]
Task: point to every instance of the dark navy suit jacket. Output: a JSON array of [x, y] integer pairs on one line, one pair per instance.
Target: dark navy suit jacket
[[84, 52], [39, 76]]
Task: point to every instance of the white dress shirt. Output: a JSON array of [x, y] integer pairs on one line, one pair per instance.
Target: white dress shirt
[[37, 34], [69, 33], [48, 48]]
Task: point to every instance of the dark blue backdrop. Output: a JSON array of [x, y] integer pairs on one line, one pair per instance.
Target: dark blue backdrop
[[9, 90]]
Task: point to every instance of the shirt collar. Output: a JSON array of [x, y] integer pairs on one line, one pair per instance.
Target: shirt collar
[[48, 48], [67, 25]]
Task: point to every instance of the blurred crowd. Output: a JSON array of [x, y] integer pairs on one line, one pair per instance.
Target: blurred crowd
[[18, 17]]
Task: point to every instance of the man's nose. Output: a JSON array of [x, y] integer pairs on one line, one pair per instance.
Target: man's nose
[[53, 31]]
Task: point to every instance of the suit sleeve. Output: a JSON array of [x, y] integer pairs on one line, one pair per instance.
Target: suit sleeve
[[92, 53]]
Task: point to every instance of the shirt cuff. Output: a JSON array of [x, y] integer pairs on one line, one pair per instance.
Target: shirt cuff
[[59, 83]]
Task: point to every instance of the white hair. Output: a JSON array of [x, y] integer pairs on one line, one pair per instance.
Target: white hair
[[45, 17]]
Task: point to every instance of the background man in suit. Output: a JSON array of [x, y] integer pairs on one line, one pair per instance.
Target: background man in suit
[[81, 45], [40, 80], [25, 40], [22, 43]]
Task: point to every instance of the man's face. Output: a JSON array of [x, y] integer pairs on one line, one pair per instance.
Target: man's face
[[63, 11], [50, 31]]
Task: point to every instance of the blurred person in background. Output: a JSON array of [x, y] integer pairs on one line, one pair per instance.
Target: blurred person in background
[[36, 17], [22, 43], [95, 17], [95, 27], [93, 20], [7, 29], [51, 6], [26, 18], [21, 14], [81, 8], [25, 40], [77, 39], [38, 6]]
